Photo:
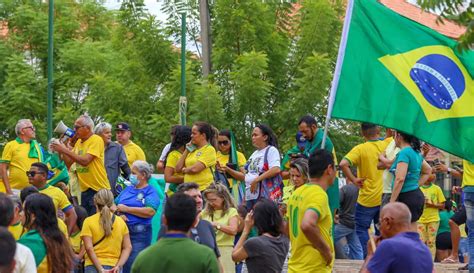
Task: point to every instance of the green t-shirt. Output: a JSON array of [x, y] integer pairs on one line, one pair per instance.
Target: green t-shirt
[[444, 217], [176, 255], [415, 161]]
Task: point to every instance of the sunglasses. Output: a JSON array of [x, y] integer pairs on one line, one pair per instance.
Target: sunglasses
[[225, 142], [32, 173]]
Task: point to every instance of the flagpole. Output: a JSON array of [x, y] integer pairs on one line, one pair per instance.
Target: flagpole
[[337, 70]]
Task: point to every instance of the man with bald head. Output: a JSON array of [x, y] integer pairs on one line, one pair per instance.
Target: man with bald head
[[399, 249]]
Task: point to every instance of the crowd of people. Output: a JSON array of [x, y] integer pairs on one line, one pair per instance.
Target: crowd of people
[[221, 212]]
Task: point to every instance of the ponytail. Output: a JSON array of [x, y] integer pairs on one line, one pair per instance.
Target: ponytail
[[104, 199]]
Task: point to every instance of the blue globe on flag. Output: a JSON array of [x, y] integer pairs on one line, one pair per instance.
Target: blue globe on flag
[[439, 79]]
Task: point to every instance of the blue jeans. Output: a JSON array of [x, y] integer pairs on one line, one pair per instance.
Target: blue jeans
[[355, 248], [87, 201], [363, 218], [469, 205], [140, 236], [92, 269]]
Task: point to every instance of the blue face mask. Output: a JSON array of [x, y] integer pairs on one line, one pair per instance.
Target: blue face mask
[[134, 179]]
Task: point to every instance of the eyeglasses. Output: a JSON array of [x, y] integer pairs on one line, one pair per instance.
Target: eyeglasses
[[225, 142], [77, 127], [32, 173], [30, 127]]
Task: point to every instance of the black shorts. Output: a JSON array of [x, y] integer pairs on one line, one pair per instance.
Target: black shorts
[[460, 216], [415, 200], [443, 241]]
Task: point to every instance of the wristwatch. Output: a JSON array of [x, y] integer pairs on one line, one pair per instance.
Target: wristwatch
[[449, 170], [218, 227]]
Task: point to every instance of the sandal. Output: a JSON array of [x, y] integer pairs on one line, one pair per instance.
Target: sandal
[[466, 267], [450, 260]]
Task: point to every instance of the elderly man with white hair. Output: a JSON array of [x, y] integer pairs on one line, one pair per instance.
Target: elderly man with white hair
[[88, 154], [115, 158], [18, 155]]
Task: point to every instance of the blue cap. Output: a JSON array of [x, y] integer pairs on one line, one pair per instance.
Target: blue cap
[[122, 126]]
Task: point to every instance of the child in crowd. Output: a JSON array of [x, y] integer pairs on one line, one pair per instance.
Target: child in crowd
[[16, 229], [428, 223], [443, 238]]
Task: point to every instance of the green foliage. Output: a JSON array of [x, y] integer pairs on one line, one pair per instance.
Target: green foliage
[[272, 64], [458, 11]]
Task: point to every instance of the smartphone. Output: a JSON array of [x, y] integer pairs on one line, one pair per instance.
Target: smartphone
[[436, 161], [191, 148], [233, 166]]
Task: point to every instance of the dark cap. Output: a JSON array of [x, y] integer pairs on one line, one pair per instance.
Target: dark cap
[[122, 126]]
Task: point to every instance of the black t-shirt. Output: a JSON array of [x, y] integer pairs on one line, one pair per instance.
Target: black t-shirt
[[348, 200], [203, 234], [266, 254]]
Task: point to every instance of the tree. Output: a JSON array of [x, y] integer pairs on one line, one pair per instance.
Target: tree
[[458, 11]]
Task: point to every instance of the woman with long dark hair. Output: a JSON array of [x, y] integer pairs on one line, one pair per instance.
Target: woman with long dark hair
[[198, 160], [262, 178], [182, 136], [51, 249], [267, 252], [410, 171]]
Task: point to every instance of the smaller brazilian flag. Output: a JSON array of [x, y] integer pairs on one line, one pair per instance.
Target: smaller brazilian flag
[[400, 74]]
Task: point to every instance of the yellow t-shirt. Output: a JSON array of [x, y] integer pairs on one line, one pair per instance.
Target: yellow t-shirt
[[222, 239], [304, 257], [16, 230], [134, 153], [63, 228], [75, 240], [59, 197], [207, 156], [224, 159], [435, 194], [366, 156], [16, 155], [172, 160], [108, 251], [468, 174], [93, 175]]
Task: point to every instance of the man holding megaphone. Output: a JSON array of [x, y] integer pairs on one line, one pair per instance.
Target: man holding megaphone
[[88, 154]]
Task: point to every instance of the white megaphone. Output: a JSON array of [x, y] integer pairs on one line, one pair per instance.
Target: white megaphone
[[65, 131]]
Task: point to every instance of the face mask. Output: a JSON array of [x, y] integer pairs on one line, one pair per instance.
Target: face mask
[[133, 179]]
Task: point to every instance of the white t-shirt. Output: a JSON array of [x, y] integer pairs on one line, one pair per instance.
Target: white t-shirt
[[390, 152], [25, 261], [165, 151], [254, 167]]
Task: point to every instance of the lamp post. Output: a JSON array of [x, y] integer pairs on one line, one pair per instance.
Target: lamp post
[[50, 69], [182, 99]]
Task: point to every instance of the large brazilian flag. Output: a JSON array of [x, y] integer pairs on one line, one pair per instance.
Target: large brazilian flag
[[400, 74]]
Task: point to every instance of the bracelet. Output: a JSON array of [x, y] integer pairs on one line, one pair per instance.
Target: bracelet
[[449, 170]]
